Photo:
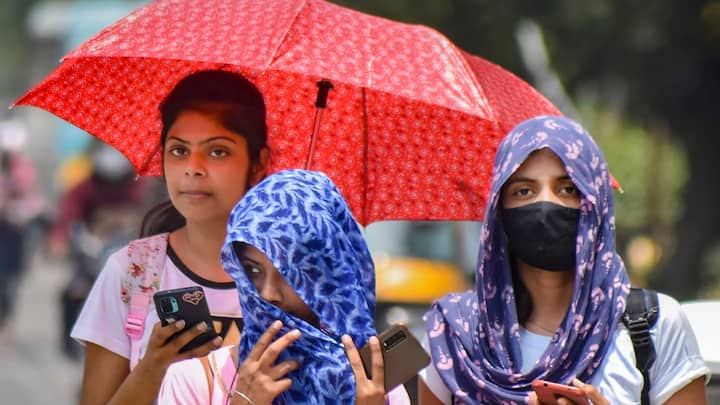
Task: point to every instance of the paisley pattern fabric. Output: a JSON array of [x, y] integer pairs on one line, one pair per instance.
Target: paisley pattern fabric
[[301, 222], [474, 336]]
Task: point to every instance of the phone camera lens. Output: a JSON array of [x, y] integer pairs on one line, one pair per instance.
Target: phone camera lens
[[168, 305]]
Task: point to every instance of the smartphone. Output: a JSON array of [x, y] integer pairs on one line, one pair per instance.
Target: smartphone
[[548, 392], [190, 305], [403, 356]]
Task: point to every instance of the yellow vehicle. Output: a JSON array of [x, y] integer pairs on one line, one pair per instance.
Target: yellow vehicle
[[418, 262], [407, 286]]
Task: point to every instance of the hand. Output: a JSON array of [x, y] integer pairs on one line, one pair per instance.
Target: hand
[[595, 396], [367, 391], [162, 350], [259, 378]]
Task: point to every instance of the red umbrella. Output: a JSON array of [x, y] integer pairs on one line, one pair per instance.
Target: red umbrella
[[411, 123]]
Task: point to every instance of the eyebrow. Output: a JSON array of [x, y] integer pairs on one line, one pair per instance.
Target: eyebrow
[[520, 179], [209, 140], [249, 260]]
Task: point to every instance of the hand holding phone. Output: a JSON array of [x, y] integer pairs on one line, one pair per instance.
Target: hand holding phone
[[190, 305], [403, 356], [549, 392]]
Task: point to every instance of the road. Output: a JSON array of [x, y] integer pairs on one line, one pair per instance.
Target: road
[[32, 368]]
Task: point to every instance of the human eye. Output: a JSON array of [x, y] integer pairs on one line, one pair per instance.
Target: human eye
[[522, 191], [570, 189], [177, 151], [253, 271], [218, 152]]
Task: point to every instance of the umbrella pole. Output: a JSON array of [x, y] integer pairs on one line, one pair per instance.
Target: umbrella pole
[[324, 87]]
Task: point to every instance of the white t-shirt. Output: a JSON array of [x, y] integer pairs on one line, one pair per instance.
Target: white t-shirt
[[677, 364], [102, 319]]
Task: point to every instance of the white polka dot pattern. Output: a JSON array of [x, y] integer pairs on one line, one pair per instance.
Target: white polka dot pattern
[[412, 122]]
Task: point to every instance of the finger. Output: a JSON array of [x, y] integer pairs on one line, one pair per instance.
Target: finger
[[595, 396], [160, 334], [264, 341], [378, 363], [204, 349], [273, 351], [185, 337], [533, 399], [281, 386], [354, 358], [283, 368]]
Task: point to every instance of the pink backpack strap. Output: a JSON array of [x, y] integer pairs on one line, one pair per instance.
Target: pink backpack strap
[[146, 262]]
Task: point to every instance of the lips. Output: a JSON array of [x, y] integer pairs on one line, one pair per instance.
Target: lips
[[194, 194]]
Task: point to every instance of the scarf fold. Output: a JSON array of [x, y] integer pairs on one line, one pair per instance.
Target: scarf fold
[[301, 222], [475, 336]]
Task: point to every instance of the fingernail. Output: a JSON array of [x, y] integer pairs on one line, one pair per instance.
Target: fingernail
[[294, 333], [346, 339], [179, 324], [202, 326], [578, 383], [277, 325], [217, 341]]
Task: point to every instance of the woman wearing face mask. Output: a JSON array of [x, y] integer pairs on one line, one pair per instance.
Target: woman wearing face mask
[[303, 271], [551, 290]]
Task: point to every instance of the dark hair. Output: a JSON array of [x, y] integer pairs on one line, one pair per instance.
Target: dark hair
[[238, 106]]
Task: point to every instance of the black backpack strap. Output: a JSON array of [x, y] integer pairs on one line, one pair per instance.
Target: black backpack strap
[[641, 313]]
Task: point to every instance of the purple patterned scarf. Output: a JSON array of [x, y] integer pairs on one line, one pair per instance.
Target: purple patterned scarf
[[475, 336]]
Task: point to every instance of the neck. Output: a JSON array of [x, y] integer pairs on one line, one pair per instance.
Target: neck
[[198, 246], [551, 293]]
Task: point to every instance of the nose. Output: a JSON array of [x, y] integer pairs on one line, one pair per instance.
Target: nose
[[547, 194], [195, 165], [270, 291]]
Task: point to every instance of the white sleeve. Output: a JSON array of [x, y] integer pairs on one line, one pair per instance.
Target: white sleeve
[[678, 359], [102, 319], [432, 379], [185, 383]]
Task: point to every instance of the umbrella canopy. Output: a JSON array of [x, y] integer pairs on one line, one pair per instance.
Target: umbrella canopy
[[411, 123]]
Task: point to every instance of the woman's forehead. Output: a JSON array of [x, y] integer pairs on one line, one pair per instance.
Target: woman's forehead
[[541, 163]]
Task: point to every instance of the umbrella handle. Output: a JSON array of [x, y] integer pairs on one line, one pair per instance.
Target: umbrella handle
[[324, 87]]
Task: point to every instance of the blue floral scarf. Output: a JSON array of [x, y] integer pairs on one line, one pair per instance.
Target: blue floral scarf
[[301, 222], [475, 336]]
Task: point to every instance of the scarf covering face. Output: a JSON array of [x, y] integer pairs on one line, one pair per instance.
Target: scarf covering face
[[475, 336], [301, 222]]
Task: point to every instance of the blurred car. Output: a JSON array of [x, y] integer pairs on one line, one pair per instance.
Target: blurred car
[[701, 314], [407, 286]]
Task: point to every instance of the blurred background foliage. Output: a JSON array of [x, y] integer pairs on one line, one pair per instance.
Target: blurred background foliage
[[643, 77]]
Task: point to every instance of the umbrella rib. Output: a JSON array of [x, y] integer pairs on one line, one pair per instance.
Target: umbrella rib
[[274, 55]]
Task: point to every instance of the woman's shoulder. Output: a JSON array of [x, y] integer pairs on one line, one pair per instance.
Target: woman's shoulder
[[669, 312]]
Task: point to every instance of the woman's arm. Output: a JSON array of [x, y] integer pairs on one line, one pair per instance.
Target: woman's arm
[[693, 393], [107, 378], [103, 373]]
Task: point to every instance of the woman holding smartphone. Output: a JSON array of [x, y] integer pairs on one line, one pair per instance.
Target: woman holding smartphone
[[551, 290], [213, 144], [302, 268]]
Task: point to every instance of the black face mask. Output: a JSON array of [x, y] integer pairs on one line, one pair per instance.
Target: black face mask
[[543, 234]]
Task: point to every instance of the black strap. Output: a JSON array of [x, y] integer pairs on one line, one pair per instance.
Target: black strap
[[641, 314]]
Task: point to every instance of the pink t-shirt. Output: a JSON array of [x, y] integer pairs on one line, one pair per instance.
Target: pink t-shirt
[[102, 319], [186, 383]]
